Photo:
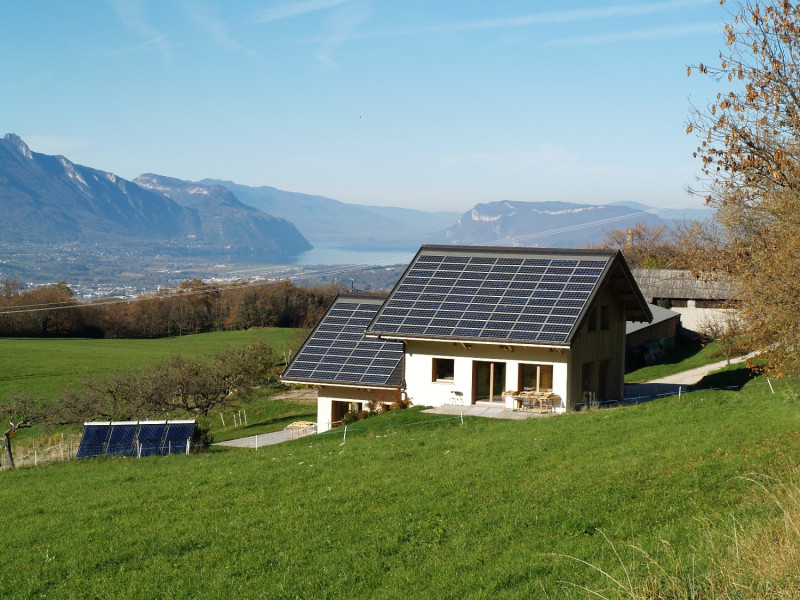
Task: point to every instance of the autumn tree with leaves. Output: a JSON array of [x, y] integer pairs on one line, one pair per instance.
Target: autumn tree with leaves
[[749, 145]]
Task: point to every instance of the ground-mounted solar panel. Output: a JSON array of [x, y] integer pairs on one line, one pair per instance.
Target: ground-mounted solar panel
[[121, 440], [344, 355], [94, 439], [135, 438], [178, 437], [151, 433], [525, 294]]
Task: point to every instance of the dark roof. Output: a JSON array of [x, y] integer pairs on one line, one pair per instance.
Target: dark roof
[[337, 352], [680, 284], [493, 294], [659, 316]]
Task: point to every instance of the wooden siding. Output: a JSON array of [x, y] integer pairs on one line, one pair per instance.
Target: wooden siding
[[596, 347]]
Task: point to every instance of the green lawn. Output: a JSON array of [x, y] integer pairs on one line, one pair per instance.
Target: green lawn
[[410, 505], [44, 367]]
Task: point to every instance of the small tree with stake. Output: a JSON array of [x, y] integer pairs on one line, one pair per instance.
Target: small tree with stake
[[22, 412]]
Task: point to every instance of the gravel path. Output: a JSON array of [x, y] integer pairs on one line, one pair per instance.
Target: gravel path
[[266, 439], [679, 381]]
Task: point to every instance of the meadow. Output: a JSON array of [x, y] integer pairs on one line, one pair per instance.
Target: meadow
[[667, 497], [43, 367]]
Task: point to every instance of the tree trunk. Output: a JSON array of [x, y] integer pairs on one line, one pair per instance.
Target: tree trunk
[[7, 436]]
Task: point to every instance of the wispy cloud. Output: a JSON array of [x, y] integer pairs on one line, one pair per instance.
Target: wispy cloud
[[207, 19], [132, 15], [661, 33], [570, 16], [295, 9], [541, 18], [341, 23]]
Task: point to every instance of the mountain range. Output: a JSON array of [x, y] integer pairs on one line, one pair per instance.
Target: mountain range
[[49, 201]]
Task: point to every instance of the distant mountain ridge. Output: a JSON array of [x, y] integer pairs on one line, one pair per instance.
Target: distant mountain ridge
[[543, 224], [321, 218], [49, 199]]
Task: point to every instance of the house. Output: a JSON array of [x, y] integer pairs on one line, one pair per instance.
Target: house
[[492, 326], [696, 299]]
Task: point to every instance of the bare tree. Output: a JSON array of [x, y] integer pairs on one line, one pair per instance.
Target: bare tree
[[725, 328], [22, 412]]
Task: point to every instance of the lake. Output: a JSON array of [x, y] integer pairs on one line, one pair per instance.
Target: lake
[[343, 252]]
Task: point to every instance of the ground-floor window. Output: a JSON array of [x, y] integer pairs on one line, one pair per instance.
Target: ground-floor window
[[444, 369], [338, 410], [535, 377], [488, 379], [588, 391]]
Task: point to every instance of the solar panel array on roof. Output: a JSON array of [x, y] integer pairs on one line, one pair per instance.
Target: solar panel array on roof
[[337, 351], [499, 297], [135, 438]]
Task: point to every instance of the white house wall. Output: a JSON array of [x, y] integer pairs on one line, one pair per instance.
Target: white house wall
[[423, 390], [328, 395], [693, 318]]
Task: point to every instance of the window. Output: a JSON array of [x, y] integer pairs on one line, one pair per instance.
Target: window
[[605, 317], [593, 319], [535, 377], [443, 369]]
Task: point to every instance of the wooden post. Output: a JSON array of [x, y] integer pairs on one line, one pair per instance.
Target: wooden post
[[491, 382]]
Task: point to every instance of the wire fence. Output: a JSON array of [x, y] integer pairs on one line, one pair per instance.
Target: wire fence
[[68, 449], [31, 456]]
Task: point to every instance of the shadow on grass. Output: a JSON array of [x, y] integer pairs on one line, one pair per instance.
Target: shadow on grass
[[681, 353], [733, 377]]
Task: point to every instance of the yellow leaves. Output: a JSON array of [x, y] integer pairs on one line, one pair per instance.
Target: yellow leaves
[[688, 71], [689, 128]]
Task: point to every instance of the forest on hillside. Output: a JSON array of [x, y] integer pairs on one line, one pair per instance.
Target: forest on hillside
[[194, 307]]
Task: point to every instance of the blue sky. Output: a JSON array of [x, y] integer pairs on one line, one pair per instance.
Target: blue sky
[[433, 105]]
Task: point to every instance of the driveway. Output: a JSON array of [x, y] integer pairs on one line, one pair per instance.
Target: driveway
[[266, 439], [673, 384]]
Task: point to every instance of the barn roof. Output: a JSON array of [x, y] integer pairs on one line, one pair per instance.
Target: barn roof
[[338, 353], [659, 316], [530, 296], [679, 284]]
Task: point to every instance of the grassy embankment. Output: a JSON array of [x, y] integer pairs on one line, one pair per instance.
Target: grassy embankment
[[677, 359], [45, 367], [411, 505]]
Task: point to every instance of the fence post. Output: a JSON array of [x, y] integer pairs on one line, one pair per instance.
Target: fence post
[[223, 419], [245, 417], [770, 386], [187, 445]]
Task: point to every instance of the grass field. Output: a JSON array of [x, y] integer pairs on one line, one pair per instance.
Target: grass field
[[44, 367], [680, 358], [411, 505]]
